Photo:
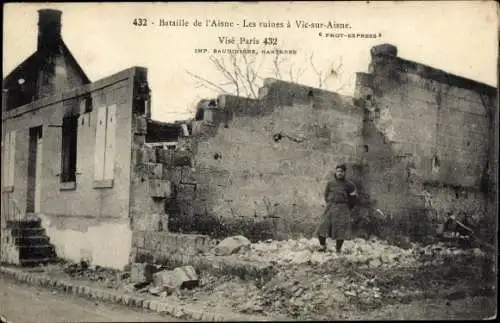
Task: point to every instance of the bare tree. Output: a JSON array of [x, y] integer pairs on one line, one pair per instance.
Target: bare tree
[[243, 72]]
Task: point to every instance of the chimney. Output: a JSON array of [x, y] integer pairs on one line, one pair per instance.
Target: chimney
[[49, 28]]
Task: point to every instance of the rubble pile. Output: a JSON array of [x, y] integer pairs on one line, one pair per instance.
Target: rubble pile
[[83, 270], [373, 253], [309, 284]]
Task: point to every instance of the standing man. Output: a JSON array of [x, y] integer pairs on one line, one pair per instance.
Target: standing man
[[340, 196]]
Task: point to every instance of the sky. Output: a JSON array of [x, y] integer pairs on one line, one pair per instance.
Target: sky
[[458, 37]]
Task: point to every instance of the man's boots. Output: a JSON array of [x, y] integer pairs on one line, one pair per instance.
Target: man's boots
[[322, 243]]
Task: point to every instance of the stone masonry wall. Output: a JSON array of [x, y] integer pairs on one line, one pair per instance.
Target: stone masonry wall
[[434, 128], [413, 138], [267, 170]]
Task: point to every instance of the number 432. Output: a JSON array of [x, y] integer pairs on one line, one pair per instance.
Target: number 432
[[140, 22]]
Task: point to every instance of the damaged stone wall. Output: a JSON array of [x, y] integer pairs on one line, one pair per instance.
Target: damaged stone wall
[[263, 173], [425, 125], [148, 187], [412, 136]]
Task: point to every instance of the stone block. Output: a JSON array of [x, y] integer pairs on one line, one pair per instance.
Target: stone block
[[137, 272], [186, 192], [202, 192], [153, 241], [141, 125], [165, 156], [146, 222], [153, 305], [138, 239], [152, 170], [167, 173], [150, 153], [139, 140], [196, 127], [141, 156], [231, 245], [162, 307], [187, 175], [180, 277], [176, 175], [182, 158], [160, 188], [200, 207]]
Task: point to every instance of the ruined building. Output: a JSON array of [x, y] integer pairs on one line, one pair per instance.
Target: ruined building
[[87, 174]]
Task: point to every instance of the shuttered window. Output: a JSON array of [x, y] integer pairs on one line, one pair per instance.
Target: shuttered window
[[69, 148], [105, 143]]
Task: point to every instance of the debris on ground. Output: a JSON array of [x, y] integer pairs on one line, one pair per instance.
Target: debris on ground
[[83, 270], [309, 284], [180, 277], [231, 245]]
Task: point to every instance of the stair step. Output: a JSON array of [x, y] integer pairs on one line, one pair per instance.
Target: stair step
[[37, 261], [28, 232], [36, 251], [32, 240], [24, 224]]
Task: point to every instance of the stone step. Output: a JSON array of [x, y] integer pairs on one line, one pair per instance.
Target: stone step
[[24, 224], [36, 251], [28, 232], [32, 240], [37, 261]]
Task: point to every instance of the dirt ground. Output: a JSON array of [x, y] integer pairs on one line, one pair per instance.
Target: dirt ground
[[369, 280], [29, 304]]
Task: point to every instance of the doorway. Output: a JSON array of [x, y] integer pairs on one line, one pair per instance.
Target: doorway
[[34, 170]]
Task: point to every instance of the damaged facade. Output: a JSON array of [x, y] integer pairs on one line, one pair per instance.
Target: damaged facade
[[113, 186]]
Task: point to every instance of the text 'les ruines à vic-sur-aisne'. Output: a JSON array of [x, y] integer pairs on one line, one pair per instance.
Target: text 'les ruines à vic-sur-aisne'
[[218, 23]]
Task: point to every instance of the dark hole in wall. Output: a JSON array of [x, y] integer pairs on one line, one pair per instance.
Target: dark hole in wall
[[88, 103], [163, 131], [217, 156], [34, 134], [468, 143], [310, 94], [69, 148], [365, 147], [277, 137]]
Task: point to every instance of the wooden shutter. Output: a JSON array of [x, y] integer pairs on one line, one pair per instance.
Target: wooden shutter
[[100, 142], [109, 155]]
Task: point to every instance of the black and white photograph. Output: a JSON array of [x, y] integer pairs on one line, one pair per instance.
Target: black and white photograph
[[249, 161]]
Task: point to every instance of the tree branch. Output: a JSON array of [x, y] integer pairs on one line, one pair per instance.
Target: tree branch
[[206, 81]]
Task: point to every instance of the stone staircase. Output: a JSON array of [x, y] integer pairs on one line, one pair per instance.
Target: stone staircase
[[25, 243]]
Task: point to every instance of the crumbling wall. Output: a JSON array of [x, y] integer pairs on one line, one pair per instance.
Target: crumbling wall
[[269, 169], [413, 139], [149, 188], [430, 124]]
